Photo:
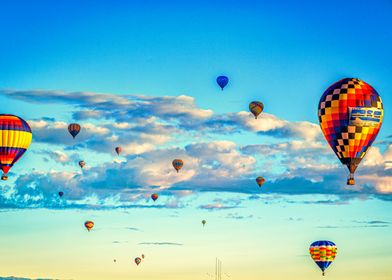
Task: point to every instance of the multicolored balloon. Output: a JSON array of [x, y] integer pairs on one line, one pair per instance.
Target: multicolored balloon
[[15, 138], [138, 260], [256, 108], [204, 222], [222, 81], [4, 177], [177, 164], [74, 129], [118, 150], [154, 196], [61, 194], [260, 181], [82, 163], [350, 113], [323, 253], [89, 225]]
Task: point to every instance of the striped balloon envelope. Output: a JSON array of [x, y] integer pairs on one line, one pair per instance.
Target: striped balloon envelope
[[15, 138], [323, 253], [74, 129], [350, 113], [256, 108]]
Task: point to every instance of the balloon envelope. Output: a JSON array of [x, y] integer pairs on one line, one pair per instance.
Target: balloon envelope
[[222, 81], [82, 163], [204, 222], [74, 129], [118, 150], [177, 164], [350, 114], [15, 138], [323, 252], [138, 260], [61, 194], [256, 108]]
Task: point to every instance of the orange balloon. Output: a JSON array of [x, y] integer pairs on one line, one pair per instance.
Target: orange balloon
[[89, 225]]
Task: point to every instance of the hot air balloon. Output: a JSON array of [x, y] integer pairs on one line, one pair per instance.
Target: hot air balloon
[[82, 163], [323, 253], [114, 260], [4, 177], [138, 260], [118, 150], [204, 222], [177, 164], [15, 138], [350, 114], [61, 194], [260, 181], [256, 108], [154, 196], [74, 129], [89, 225], [222, 81], [142, 256]]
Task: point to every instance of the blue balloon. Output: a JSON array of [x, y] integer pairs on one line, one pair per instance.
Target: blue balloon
[[222, 81]]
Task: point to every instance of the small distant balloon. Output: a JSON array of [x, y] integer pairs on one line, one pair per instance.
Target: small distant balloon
[[118, 150], [4, 177], [82, 163], [222, 81], [256, 108], [114, 260], [138, 260], [177, 164], [74, 129], [204, 222], [154, 196], [260, 181], [142, 256], [89, 225], [61, 194]]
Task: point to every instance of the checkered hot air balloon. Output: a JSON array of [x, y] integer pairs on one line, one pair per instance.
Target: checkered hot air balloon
[[15, 138], [350, 114], [323, 252]]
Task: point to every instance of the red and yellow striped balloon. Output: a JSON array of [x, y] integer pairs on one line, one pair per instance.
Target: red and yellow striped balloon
[[15, 138]]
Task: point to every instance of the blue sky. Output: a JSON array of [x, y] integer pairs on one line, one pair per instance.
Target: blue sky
[[141, 75]]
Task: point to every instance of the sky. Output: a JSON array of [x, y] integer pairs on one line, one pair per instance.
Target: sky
[[141, 75]]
